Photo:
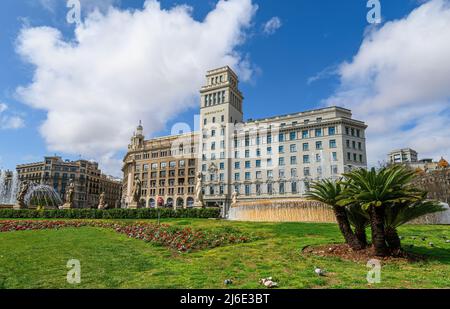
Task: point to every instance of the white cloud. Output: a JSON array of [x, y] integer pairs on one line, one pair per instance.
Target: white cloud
[[8, 121], [398, 83], [124, 66], [272, 25]]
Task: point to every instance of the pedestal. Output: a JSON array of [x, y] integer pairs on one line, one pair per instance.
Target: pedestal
[[199, 205], [132, 205], [66, 206], [19, 206]]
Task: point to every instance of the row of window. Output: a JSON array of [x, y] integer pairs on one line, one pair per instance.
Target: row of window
[[171, 173], [282, 173], [170, 191], [355, 157], [164, 153], [164, 165], [215, 98], [260, 189], [269, 174], [332, 144], [293, 159]]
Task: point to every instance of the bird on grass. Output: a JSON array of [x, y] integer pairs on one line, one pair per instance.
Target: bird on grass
[[448, 241], [268, 283], [431, 244], [319, 272], [228, 282]]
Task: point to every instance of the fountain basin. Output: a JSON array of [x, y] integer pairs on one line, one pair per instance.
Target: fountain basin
[[301, 210], [282, 210]]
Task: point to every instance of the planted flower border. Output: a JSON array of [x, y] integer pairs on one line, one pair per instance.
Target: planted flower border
[[175, 238]]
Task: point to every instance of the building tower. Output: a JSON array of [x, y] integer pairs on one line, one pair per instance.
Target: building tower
[[221, 109], [137, 140]]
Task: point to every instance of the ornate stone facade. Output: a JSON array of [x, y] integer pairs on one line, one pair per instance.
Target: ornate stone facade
[[89, 181], [165, 169]]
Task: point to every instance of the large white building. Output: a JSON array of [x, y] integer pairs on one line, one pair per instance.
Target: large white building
[[272, 157], [267, 158]]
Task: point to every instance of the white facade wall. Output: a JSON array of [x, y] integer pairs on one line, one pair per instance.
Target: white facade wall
[[268, 157]]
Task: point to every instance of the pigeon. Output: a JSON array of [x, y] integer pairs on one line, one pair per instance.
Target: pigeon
[[414, 237], [228, 282], [448, 241], [319, 272], [268, 283], [424, 238], [431, 244]]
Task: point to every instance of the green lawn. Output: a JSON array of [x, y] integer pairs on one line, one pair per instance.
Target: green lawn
[[37, 259]]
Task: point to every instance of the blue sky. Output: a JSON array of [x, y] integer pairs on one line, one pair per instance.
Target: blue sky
[[278, 68]]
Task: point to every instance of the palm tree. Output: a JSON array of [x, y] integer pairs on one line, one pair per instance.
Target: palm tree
[[374, 191], [359, 219], [329, 192], [398, 214]]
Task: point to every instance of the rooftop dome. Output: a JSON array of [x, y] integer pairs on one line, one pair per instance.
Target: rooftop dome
[[443, 163]]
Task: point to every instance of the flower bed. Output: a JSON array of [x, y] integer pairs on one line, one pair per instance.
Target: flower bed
[[179, 239]]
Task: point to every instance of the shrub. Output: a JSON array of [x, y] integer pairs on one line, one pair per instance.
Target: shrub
[[117, 213]]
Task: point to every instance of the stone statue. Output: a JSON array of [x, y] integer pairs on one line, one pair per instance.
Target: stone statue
[[101, 201], [234, 198], [70, 193], [70, 197], [137, 192], [198, 191], [20, 204]]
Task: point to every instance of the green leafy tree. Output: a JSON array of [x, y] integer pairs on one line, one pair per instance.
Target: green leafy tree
[[359, 219], [400, 213], [329, 192], [375, 190]]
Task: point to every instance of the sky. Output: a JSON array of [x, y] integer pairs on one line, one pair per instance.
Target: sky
[[77, 87]]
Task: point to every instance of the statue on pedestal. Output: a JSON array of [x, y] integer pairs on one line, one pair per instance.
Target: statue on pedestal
[[70, 196], [136, 193], [234, 198], [102, 202], [199, 192], [20, 204]]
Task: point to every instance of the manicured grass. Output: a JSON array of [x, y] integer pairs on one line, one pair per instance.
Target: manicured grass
[[37, 259]]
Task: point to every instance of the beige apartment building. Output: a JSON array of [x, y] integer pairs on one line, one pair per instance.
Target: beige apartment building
[[274, 157], [405, 155], [87, 177], [166, 168]]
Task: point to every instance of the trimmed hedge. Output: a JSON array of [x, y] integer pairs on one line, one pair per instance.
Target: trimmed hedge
[[143, 213]]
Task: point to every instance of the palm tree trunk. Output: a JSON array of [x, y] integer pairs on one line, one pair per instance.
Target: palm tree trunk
[[377, 227], [393, 240], [360, 233], [345, 228]]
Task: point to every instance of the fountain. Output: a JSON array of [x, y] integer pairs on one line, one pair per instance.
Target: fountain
[[281, 210], [9, 185], [44, 196]]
